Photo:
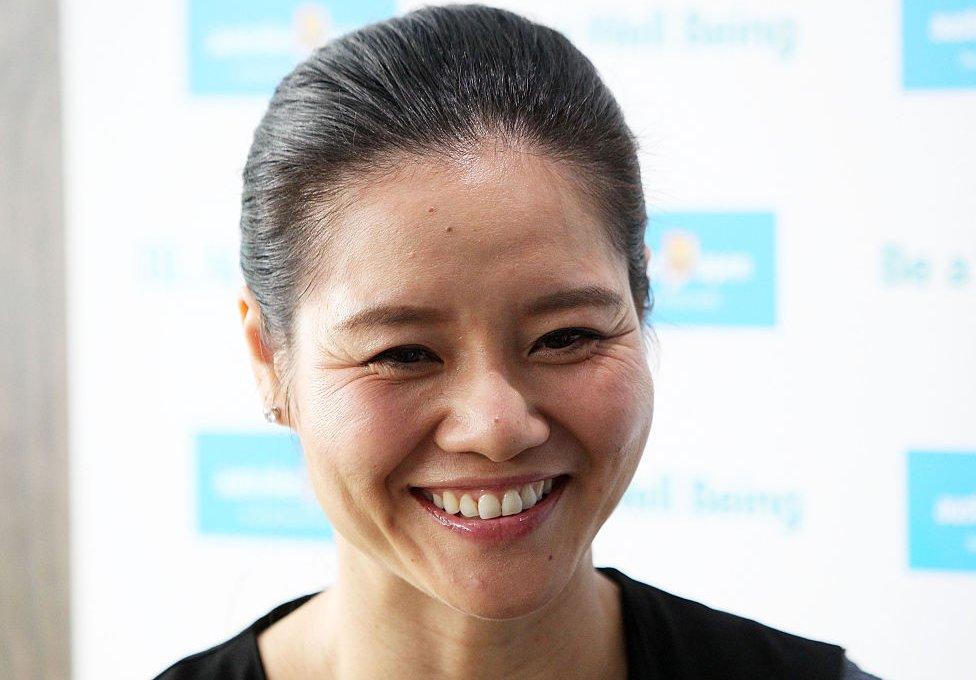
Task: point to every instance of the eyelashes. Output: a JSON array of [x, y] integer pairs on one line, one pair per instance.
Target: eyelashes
[[402, 356], [573, 335], [565, 343]]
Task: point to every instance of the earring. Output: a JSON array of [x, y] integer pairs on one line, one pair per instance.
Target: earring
[[272, 414]]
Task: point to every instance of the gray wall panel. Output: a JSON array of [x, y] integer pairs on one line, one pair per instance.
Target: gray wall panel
[[34, 595]]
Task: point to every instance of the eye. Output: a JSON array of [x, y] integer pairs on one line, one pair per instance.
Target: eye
[[407, 358], [568, 340]]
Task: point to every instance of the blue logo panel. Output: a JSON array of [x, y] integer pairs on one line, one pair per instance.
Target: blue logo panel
[[255, 484], [942, 510], [245, 47], [713, 269], [938, 44]]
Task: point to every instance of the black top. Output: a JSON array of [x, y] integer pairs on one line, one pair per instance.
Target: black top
[[667, 637]]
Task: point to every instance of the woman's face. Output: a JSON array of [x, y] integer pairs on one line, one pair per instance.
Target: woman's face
[[473, 333]]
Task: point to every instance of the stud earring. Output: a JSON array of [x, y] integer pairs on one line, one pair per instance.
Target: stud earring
[[272, 414]]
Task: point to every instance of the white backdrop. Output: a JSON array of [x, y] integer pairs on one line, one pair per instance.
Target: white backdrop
[[810, 170]]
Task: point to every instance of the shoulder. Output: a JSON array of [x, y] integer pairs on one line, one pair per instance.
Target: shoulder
[[233, 659], [684, 638], [852, 672], [237, 658]]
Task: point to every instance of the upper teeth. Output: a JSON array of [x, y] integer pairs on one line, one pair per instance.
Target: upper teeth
[[487, 505]]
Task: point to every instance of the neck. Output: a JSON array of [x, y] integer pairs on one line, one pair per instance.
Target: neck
[[374, 624]]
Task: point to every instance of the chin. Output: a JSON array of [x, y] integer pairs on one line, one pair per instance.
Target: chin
[[507, 593]]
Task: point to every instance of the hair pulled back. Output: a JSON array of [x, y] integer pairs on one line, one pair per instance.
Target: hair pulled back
[[435, 81]]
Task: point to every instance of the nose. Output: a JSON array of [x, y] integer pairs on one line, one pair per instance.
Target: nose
[[490, 416]]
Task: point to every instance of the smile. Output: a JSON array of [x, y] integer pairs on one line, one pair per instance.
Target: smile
[[490, 515], [489, 505]]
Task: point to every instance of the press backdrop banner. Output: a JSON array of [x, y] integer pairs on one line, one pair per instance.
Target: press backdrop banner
[[810, 172]]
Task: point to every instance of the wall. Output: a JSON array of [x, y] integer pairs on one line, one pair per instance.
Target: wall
[[810, 171], [34, 599]]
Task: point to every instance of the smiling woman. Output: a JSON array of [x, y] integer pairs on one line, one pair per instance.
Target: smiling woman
[[442, 239]]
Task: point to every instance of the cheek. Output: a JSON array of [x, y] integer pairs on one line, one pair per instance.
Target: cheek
[[359, 431], [354, 435], [607, 404]]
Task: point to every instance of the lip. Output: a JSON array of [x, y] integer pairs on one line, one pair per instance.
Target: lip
[[486, 485], [499, 529]]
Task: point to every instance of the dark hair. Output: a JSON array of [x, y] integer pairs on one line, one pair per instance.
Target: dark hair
[[435, 81]]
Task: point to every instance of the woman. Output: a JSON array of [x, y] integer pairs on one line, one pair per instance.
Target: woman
[[442, 239]]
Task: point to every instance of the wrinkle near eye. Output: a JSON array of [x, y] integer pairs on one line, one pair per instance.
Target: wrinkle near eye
[[332, 356]]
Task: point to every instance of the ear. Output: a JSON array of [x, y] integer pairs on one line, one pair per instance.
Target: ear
[[647, 256], [260, 355]]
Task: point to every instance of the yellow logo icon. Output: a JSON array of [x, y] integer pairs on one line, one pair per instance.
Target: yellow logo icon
[[312, 25], [681, 254]]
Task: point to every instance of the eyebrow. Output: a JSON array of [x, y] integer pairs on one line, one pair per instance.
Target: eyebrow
[[584, 296], [405, 315], [391, 315]]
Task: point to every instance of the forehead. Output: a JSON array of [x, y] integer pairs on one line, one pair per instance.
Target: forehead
[[491, 222]]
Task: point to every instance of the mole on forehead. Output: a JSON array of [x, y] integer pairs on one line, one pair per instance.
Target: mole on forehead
[[448, 229]]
